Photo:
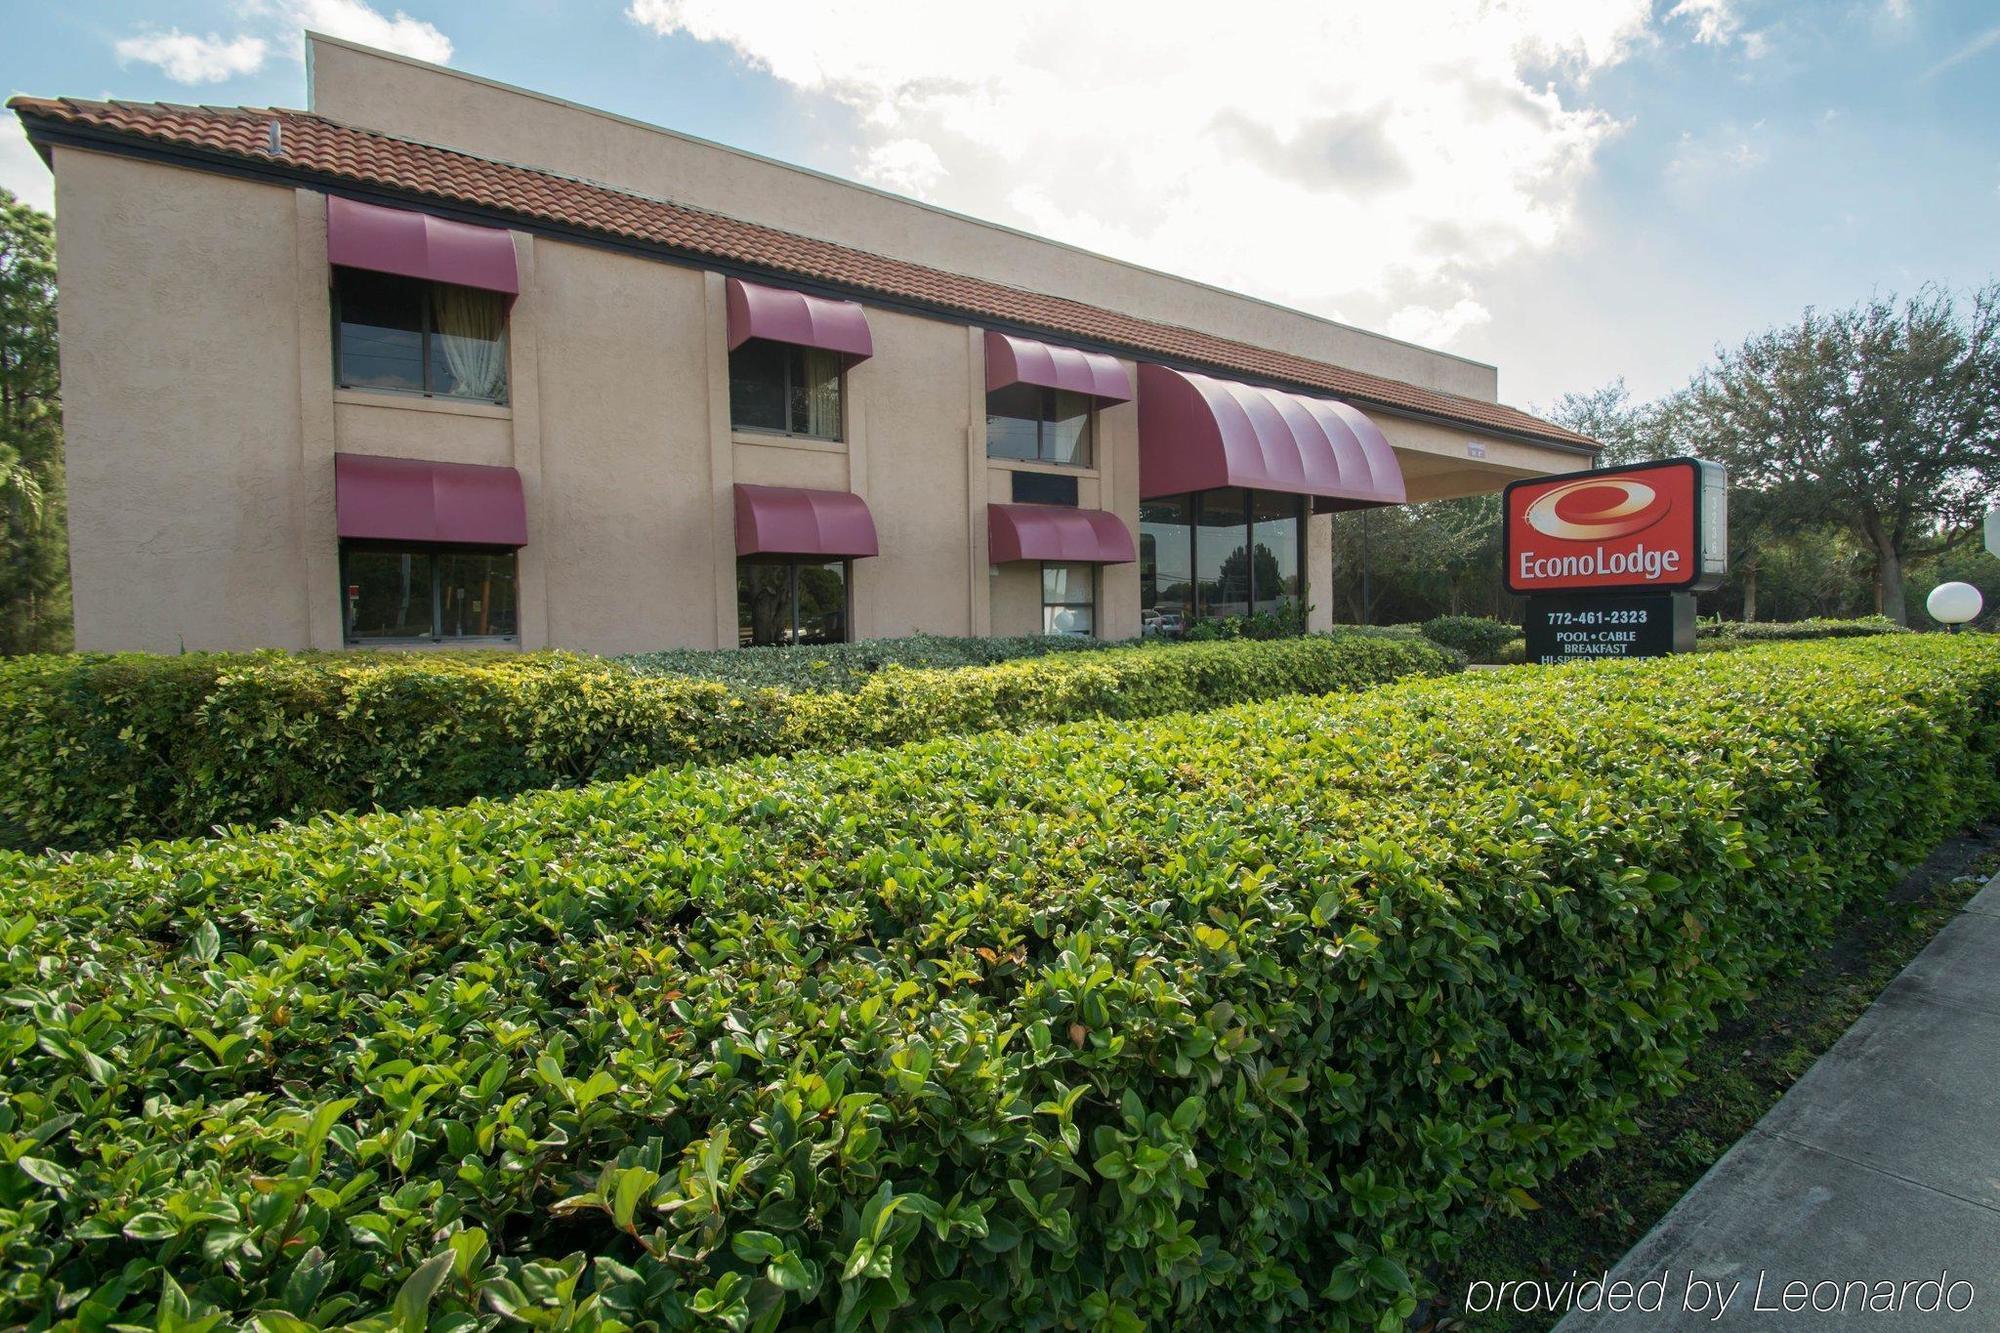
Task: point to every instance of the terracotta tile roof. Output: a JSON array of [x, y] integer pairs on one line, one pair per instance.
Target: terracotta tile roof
[[319, 147]]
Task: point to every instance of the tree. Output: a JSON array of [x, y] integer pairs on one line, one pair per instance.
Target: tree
[[1880, 418], [34, 556], [1630, 432]]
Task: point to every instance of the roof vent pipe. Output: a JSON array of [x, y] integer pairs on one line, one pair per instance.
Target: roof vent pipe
[[276, 146]]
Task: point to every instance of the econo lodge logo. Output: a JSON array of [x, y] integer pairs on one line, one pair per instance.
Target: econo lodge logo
[[1593, 510], [1624, 528]]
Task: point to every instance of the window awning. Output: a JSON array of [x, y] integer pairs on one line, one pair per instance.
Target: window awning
[[1011, 360], [1197, 432], [1056, 532], [785, 316], [417, 245], [785, 520], [413, 500]]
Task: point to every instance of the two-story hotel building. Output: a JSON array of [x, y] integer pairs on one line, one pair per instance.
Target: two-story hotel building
[[444, 361]]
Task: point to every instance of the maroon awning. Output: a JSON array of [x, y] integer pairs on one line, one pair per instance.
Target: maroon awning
[[412, 500], [1011, 360], [785, 316], [1056, 532], [785, 520], [1197, 432], [417, 245]]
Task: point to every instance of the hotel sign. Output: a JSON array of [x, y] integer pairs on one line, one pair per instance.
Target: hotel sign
[[1661, 527]]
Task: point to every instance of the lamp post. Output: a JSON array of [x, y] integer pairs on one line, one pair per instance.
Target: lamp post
[[1952, 604]]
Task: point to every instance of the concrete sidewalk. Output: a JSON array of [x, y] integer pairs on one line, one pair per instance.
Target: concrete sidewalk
[[1880, 1166]]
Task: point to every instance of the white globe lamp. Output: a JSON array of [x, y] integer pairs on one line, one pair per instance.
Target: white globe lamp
[[1952, 604]]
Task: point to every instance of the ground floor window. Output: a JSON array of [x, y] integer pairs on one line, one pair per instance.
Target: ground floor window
[[1220, 553], [1069, 599], [791, 601], [394, 592]]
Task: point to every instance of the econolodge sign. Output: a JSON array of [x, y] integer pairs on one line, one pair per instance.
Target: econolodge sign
[[1660, 527]]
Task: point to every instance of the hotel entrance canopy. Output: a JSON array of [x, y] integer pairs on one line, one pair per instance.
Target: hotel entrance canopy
[[1197, 432]]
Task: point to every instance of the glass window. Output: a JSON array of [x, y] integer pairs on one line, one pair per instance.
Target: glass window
[[425, 592], [1069, 599], [1221, 554], [779, 387], [388, 594], [1274, 550], [1039, 425], [1068, 429], [381, 330], [791, 601], [1013, 422], [413, 336], [1217, 554], [822, 603], [1166, 563], [476, 594], [763, 601]]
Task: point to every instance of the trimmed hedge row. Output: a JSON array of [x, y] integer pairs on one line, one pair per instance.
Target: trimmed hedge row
[[1480, 638], [847, 666], [103, 748], [1767, 631], [1191, 1023]]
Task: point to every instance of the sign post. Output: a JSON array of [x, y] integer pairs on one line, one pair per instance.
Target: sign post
[[1611, 559], [1993, 532]]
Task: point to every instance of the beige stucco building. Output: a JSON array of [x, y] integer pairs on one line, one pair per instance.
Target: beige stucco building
[[440, 360]]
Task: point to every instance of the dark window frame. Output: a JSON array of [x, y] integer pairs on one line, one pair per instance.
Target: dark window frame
[[785, 394], [1042, 579], [426, 351], [434, 550], [1195, 608], [791, 564], [1044, 429]]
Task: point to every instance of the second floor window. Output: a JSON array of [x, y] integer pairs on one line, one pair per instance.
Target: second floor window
[[408, 335], [1038, 425], [791, 390]]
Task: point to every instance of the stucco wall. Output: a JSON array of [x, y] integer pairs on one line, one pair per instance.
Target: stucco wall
[[399, 96], [626, 478], [913, 418], [180, 404]]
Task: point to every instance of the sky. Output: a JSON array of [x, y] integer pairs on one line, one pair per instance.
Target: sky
[[1572, 190]]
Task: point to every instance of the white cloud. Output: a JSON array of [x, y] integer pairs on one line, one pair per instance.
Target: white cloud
[[21, 167], [357, 21], [1715, 21], [1700, 162], [1358, 160], [1433, 327], [187, 58], [1978, 46]]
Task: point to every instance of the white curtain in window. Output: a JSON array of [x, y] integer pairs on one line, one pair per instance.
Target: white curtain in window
[[823, 393], [469, 328]]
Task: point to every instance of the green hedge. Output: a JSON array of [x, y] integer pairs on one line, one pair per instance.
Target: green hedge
[[1480, 638], [1767, 631], [98, 749], [1199, 1023], [847, 666]]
